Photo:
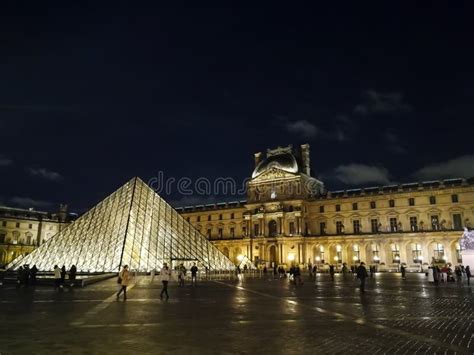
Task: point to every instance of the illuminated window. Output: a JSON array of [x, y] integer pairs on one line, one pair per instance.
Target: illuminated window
[[322, 228], [434, 222], [438, 251], [375, 253], [395, 253], [432, 200], [232, 232], [338, 258], [221, 233], [356, 253], [454, 198], [393, 224], [292, 227], [458, 253], [416, 253], [391, 203], [413, 224]]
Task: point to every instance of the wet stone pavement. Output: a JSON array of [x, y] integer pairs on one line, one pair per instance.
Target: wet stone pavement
[[248, 316]]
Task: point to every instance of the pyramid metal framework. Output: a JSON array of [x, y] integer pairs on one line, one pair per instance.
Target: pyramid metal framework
[[133, 226]]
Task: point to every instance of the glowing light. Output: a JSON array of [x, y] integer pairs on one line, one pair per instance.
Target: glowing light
[[355, 258], [376, 258], [397, 258], [317, 258], [336, 258], [445, 258], [240, 257], [291, 256]]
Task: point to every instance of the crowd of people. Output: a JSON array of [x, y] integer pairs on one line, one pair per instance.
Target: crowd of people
[[28, 276], [165, 274]]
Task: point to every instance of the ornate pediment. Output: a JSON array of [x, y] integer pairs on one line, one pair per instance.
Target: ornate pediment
[[273, 174]]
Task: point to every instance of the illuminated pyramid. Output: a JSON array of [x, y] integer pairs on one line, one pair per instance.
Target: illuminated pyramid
[[133, 226]]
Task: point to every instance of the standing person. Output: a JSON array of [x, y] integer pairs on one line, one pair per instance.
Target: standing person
[[63, 275], [265, 271], [468, 274], [458, 273], [297, 275], [165, 278], [72, 275], [33, 272], [403, 270], [26, 275], [194, 271], [20, 276], [124, 281], [435, 275], [362, 275], [57, 277], [331, 271]]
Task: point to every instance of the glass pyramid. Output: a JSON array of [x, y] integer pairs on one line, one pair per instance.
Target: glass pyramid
[[133, 226]]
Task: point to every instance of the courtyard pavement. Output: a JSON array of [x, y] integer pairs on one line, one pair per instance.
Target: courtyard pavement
[[248, 316]]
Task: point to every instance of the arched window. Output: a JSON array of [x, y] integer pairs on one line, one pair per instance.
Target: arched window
[[395, 253], [438, 251], [416, 253], [375, 253], [356, 253]]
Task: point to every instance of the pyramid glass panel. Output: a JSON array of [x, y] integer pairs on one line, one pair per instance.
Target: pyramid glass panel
[[132, 226]]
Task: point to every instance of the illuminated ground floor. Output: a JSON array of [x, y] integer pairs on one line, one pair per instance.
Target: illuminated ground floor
[[251, 315], [386, 250]]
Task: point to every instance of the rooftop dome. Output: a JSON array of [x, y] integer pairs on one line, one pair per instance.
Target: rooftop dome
[[286, 162]]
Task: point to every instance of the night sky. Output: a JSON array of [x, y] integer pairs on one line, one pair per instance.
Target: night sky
[[94, 94]]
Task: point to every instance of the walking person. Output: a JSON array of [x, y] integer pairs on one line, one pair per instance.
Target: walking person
[[63, 275], [33, 272], [404, 271], [124, 281], [468, 274], [57, 277], [331, 271], [165, 274], [194, 271], [72, 275], [362, 275], [181, 275]]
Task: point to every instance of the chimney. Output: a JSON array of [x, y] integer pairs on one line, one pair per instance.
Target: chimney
[[305, 159], [258, 158]]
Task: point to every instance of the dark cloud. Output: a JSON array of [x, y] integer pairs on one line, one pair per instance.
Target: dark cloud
[[460, 167], [302, 128], [360, 174], [27, 202], [382, 103], [5, 161], [45, 174]]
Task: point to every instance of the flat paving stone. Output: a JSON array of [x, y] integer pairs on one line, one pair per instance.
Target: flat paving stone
[[247, 315]]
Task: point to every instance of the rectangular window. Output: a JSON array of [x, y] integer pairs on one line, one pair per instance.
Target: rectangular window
[[199, 219], [434, 222], [356, 225], [2, 238], [416, 253], [393, 224], [220, 217], [372, 204], [374, 225], [355, 206], [457, 221], [30, 226], [209, 217], [321, 209], [209, 232], [411, 201], [391, 203], [18, 225], [454, 198], [221, 233], [339, 227], [413, 224], [231, 216], [432, 200], [187, 219], [338, 208], [232, 232], [4, 224], [322, 228], [292, 227], [244, 231], [256, 230]]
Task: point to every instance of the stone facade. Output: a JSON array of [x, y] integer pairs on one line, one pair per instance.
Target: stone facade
[[22, 230], [289, 216]]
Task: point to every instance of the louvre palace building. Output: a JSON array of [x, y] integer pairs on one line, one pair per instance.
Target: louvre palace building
[[291, 217]]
